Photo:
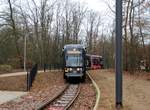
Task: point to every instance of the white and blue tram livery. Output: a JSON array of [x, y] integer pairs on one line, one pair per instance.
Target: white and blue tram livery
[[74, 61]]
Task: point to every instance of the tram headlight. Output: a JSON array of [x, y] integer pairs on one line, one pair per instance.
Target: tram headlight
[[66, 70], [70, 69], [79, 69]]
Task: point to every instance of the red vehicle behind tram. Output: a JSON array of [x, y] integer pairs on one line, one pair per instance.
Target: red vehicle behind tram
[[94, 61]]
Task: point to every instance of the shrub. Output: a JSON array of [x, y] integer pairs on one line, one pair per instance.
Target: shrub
[[14, 62], [5, 68]]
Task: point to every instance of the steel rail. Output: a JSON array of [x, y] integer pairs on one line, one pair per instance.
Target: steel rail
[[64, 100], [43, 105]]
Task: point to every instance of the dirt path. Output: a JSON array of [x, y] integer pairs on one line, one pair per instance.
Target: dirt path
[[136, 90]]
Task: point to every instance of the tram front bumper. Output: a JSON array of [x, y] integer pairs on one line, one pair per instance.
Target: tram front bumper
[[74, 74]]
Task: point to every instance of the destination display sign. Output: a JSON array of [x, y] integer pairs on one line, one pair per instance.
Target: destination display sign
[[73, 52]]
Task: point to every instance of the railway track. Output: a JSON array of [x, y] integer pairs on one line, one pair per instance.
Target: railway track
[[65, 99]]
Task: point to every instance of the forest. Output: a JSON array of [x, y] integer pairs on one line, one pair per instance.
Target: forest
[[36, 32]]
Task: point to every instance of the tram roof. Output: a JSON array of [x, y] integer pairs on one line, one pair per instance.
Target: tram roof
[[74, 46], [93, 55]]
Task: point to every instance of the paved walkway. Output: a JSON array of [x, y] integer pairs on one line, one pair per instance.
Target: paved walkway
[[6, 96], [21, 73], [15, 74]]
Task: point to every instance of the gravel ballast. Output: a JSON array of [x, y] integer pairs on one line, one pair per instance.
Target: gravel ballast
[[87, 97]]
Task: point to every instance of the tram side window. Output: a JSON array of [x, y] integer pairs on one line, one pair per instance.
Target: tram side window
[[101, 61], [95, 61]]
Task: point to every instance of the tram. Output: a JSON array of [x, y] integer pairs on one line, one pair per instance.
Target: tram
[[74, 61], [94, 61]]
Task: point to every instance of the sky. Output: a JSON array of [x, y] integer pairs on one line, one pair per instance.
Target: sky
[[97, 5], [101, 7]]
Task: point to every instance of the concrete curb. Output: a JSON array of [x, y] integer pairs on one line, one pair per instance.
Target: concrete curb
[[97, 93]]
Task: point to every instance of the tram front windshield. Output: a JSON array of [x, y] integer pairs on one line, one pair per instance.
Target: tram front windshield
[[74, 60]]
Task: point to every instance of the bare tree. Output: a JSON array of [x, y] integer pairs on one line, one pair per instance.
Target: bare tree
[[14, 29]]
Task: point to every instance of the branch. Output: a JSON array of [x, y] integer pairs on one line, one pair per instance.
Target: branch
[[109, 6]]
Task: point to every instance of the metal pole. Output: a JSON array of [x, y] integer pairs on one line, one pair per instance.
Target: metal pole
[[25, 52], [27, 81], [118, 48]]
